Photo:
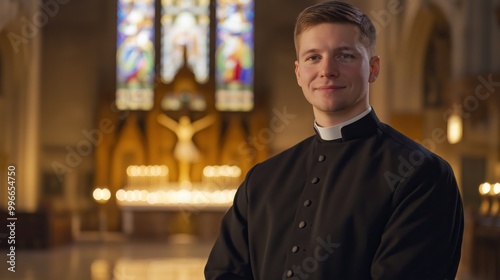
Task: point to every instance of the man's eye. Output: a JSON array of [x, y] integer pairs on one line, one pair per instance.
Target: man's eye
[[313, 58], [345, 56]]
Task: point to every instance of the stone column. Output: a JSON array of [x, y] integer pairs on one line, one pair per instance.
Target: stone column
[[23, 103]]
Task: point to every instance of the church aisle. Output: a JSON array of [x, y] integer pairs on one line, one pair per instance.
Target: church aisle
[[111, 260]]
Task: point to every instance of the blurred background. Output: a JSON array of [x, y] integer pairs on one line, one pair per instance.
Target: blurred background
[[129, 124]]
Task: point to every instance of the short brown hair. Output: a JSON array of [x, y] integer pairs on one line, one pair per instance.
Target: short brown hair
[[336, 12]]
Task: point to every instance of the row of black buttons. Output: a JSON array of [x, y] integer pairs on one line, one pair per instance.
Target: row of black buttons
[[302, 224]]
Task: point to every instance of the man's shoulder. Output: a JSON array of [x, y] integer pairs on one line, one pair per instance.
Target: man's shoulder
[[412, 150], [404, 142]]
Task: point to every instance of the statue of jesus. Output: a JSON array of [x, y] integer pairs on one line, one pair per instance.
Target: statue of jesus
[[185, 150]]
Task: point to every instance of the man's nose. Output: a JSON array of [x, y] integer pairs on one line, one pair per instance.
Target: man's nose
[[329, 68]]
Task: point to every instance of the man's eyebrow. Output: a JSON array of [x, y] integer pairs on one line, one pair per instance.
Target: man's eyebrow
[[309, 51], [343, 48]]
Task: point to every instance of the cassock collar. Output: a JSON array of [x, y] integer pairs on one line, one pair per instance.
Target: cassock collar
[[362, 125]]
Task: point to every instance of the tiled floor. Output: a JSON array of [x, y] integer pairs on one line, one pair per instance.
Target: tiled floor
[[110, 260], [115, 259]]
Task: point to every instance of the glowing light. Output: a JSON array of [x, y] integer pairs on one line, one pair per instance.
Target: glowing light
[[484, 188], [121, 194], [236, 171], [147, 176], [129, 197], [144, 195], [209, 171], [152, 198], [454, 128], [101, 195], [496, 188], [183, 196]]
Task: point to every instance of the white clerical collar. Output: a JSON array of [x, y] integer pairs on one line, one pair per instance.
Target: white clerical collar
[[334, 132]]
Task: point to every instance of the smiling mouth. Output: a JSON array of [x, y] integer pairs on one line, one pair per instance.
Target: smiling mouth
[[330, 88]]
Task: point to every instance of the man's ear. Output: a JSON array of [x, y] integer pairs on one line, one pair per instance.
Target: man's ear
[[374, 68], [297, 74]]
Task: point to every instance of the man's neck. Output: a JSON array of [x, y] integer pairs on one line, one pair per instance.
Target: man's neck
[[324, 119]]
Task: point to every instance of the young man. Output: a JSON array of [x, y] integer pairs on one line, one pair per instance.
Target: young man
[[356, 201]]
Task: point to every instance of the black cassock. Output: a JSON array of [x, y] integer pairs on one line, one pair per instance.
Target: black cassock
[[372, 205]]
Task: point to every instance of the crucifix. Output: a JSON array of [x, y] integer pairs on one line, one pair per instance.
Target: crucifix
[[185, 150]]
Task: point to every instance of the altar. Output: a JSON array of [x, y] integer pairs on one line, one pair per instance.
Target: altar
[[183, 133], [148, 190]]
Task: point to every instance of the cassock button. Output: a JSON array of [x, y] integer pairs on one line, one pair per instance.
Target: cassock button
[[289, 273], [295, 249], [307, 203], [321, 158], [302, 224], [315, 180]]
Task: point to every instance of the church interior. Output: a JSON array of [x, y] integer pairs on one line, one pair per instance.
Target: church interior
[[126, 126]]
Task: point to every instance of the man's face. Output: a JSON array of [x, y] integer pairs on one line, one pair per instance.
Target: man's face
[[334, 69]]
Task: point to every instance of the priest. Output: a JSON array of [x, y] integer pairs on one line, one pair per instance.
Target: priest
[[358, 200]]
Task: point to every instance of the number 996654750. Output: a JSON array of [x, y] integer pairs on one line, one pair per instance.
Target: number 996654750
[[11, 189]]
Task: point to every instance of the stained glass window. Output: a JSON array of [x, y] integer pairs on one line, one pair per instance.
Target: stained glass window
[[234, 55], [185, 38], [185, 29], [135, 54]]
